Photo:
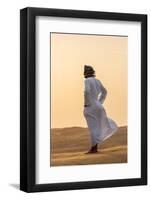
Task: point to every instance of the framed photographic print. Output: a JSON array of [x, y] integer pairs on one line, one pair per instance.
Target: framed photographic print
[[83, 99]]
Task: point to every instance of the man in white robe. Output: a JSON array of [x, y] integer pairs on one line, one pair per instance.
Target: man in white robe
[[100, 126]]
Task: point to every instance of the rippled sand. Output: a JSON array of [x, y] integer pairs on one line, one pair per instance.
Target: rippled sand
[[69, 145]]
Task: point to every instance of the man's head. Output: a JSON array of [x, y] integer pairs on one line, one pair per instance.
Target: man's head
[[89, 71]]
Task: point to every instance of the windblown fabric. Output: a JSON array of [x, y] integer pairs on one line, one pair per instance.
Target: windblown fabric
[[100, 126]]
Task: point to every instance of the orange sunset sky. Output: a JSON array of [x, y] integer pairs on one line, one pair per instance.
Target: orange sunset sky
[[108, 55]]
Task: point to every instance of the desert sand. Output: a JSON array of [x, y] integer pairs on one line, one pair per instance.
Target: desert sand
[[69, 145]]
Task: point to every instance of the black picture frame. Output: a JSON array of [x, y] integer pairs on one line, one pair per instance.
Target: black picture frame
[[28, 99]]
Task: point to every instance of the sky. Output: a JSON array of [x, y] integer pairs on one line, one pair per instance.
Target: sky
[[108, 55]]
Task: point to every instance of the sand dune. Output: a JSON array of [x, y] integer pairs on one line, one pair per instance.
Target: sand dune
[[69, 145]]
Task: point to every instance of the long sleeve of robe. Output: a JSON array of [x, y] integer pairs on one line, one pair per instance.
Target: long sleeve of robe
[[100, 125]]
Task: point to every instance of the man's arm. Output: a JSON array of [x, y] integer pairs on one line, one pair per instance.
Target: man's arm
[[103, 94], [86, 92]]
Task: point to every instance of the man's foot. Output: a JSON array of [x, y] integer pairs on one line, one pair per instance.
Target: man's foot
[[93, 149]]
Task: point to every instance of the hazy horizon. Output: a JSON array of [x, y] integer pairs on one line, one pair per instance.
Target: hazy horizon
[[81, 127], [69, 53]]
